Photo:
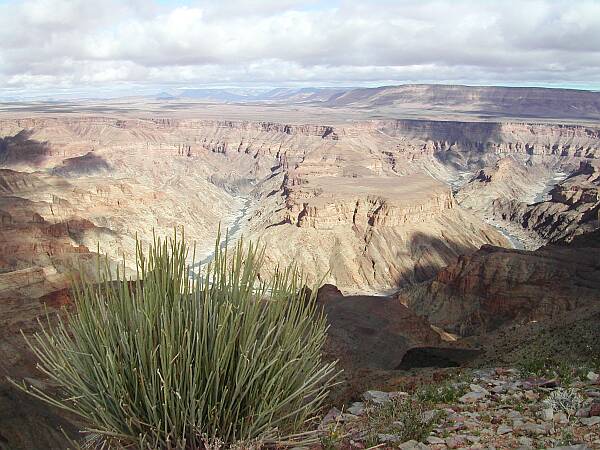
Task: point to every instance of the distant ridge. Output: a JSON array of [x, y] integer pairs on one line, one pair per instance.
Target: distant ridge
[[484, 101]]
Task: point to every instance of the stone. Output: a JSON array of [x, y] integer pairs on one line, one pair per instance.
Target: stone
[[472, 397], [532, 383], [534, 429], [583, 412], [413, 445], [332, 416], [531, 396], [525, 441], [479, 389], [547, 414], [456, 441], [388, 438], [434, 440], [572, 447], [517, 423], [377, 397], [357, 408], [501, 389], [590, 421], [512, 414], [429, 415], [561, 418], [504, 429], [592, 376]]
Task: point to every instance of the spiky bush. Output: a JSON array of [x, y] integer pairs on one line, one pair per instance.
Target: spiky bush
[[565, 400], [166, 361]]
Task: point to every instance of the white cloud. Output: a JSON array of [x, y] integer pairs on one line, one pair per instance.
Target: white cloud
[[90, 45]]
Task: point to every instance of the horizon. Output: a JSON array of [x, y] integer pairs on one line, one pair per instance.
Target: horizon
[[250, 91]]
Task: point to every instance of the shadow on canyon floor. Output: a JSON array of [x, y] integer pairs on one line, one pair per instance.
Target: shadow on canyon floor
[[430, 254], [20, 148]]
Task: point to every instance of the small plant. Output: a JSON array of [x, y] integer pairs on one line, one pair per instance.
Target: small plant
[[333, 436], [402, 417], [567, 437], [166, 361], [549, 367], [565, 400], [448, 392]]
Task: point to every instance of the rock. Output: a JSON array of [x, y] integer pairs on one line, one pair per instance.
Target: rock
[[517, 423], [534, 429], [525, 441], [434, 440], [478, 389], [531, 396], [413, 445], [377, 397], [456, 441], [347, 417], [590, 421], [572, 447], [504, 429], [547, 414], [500, 389], [332, 416], [357, 408], [429, 415], [592, 376], [561, 418], [512, 414], [388, 438], [472, 397], [532, 383], [583, 412]]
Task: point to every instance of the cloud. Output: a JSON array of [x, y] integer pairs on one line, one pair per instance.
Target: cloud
[[97, 45]]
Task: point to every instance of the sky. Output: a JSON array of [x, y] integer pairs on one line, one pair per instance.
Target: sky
[[98, 48]]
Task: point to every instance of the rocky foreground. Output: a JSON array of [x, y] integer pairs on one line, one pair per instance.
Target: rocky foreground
[[484, 409]]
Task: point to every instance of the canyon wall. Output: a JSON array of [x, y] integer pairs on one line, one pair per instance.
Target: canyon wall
[[367, 204], [496, 287]]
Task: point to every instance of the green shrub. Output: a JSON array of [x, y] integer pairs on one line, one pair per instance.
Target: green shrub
[[169, 361], [401, 417], [446, 392]]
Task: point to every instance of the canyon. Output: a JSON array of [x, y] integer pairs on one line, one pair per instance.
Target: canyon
[[438, 230]]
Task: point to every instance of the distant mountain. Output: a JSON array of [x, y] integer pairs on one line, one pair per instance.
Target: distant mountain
[[303, 95], [286, 95], [165, 96], [484, 100]]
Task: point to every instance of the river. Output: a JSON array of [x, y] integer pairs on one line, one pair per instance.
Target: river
[[516, 239], [231, 234]]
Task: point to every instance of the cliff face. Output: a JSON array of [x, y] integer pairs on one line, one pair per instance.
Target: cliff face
[[360, 326], [325, 203], [362, 196], [573, 207], [495, 287]]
